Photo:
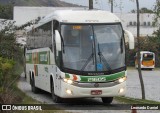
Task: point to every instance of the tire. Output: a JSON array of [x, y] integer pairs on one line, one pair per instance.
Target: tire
[[33, 87], [55, 98], [107, 100]]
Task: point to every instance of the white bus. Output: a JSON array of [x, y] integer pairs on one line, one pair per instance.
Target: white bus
[[78, 54], [147, 60]]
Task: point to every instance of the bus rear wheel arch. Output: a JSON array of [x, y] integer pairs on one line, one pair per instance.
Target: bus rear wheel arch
[[107, 100]]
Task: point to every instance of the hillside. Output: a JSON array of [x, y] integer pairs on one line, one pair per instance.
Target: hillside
[[6, 6], [36, 3]]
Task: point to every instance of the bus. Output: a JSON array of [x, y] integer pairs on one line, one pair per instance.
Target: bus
[[78, 54], [147, 60]]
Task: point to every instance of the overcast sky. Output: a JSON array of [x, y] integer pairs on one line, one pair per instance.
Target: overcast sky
[[120, 5]]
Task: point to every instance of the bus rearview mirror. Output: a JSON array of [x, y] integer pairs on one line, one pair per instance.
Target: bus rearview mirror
[[129, 38], [58, 40]]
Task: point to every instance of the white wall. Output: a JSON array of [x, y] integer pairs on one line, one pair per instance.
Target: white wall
[[145, 30]]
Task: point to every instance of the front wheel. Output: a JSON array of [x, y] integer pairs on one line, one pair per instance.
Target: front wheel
[[107, 100], [55, 98]]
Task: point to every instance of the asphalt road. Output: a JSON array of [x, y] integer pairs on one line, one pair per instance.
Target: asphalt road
[[95, 105], [151, 83]]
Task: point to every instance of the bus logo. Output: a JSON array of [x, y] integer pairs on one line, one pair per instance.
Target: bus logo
[[99, 79]]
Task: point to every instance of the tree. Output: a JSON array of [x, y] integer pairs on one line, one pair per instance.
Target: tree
[[6, 11], [111, 2], [142, 10], [90, 4], [157, 13]]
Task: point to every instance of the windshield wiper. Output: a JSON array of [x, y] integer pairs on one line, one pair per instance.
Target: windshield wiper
[[89, 59], [121, 45], [102, 58]]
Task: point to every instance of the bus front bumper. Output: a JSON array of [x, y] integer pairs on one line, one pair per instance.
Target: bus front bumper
[[71, 91]]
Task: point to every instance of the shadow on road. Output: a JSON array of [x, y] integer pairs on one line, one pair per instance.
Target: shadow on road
[[82, 104]]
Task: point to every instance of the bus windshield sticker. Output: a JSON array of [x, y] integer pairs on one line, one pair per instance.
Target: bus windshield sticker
[[99, 67]]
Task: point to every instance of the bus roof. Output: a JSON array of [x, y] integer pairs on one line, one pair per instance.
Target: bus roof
[[80, 16], [84, 16], [142, 52]]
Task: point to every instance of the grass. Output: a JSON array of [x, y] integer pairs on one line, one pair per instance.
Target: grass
[[128, 100]]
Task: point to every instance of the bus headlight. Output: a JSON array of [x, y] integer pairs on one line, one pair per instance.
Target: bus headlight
[[69, 92], [122, 79], [68, 81]]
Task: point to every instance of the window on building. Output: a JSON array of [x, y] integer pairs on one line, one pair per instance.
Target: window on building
[[130, 23], [135, 23], [149, 24], [144, 23]]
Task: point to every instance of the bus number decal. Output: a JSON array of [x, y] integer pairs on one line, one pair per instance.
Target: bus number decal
[[99, 79]]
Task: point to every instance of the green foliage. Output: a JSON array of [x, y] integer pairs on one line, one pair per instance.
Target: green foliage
[[6, 11], [146, 44], [142, 10], [157, 13], [6, 66]]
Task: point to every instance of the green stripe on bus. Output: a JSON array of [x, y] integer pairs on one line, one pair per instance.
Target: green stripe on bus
[[67, 75], [49, 60], [107, 78]]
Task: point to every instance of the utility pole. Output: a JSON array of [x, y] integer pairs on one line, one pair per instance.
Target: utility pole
[[90, 4], [138, 39], [112, 6]]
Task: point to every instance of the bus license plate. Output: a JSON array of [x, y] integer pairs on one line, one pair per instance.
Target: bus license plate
[[96, 92]]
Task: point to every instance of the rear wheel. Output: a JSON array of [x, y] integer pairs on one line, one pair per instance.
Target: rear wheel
[[33, 87], [55, 98], [107, 100]]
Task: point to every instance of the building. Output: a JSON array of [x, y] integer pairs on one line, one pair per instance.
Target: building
[[23, 15], [129, 22]]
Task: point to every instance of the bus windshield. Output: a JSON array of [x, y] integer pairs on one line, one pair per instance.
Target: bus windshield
[[93, 48], [147, 56]]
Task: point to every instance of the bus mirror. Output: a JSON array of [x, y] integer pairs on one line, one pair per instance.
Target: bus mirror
[[129, 38], [58, 40]]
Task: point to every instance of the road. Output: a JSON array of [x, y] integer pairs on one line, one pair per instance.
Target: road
[[151, 82], [152, 86]]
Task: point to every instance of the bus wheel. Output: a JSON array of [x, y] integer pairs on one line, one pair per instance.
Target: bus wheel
[[55, 98], [107, 100], [33, 87]]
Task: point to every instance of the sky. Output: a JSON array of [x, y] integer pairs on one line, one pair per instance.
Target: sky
[[119, 5]]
